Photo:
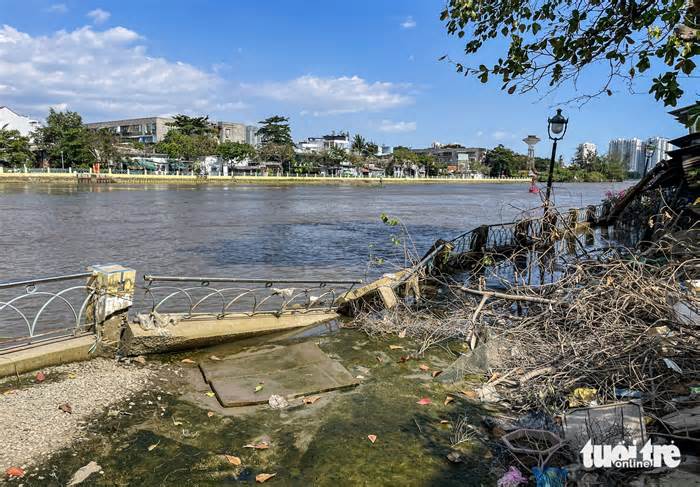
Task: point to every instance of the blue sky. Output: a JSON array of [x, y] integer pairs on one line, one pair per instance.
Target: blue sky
[[363, 66]]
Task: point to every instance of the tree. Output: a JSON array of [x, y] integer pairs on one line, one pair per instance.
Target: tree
[[553, 42], [370, 149], [178, 145], [14, 148], [103, 146], [282, 153], [193, 125], [358, 144], [505, 162], [235, 151], [276, 141], [275, 130], [64, 139]]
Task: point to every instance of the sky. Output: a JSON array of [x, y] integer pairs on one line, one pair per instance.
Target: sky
[[368, 66]]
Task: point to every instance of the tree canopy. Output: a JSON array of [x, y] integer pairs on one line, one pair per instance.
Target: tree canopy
[[275, 130], [64, 137], [235, 151], [178, 145], [193, 125], [14, 148], [552, 42]]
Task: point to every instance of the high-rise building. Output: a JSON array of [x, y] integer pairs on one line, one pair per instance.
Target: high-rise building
[[630, 152], [585, 153], [661, 146]]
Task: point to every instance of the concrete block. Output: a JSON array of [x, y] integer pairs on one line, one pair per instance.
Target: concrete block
[[37, 357], [198, 332]]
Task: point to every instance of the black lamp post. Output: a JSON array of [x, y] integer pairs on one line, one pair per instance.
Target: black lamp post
[[556, 129], [649, 151]]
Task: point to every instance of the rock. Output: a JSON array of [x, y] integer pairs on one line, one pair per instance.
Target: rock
[[140, 360], [84, 472], [277, 402]]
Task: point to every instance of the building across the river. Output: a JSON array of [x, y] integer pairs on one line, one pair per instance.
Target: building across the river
[[11, 120], [455, 155], [151, 130]]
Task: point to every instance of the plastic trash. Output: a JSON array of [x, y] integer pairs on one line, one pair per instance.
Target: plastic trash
[[627, 394], [512, 478], [550, 476]]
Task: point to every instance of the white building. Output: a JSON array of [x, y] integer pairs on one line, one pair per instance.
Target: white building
[[318, 144], [628, 151], [661, 146], [10, 120], [585, 152]]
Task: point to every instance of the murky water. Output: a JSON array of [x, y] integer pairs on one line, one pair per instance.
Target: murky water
[[242, 231]]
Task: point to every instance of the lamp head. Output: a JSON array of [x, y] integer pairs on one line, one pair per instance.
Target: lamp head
[[557, 125]]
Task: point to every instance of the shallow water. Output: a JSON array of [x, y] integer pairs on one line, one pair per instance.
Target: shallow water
[[320, 444]]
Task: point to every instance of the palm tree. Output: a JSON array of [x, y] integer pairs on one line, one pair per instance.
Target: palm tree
[[358, 144]]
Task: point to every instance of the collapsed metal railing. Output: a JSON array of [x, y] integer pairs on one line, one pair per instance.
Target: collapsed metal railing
[[504, 237], [242, 296], [34, 310]]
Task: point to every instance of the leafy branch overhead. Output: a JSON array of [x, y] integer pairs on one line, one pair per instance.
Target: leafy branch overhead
[[552, 42]]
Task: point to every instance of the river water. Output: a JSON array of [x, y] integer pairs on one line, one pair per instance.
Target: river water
[[244, 231]]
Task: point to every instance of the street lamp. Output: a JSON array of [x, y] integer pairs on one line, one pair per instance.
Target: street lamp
[[556, 129], [649, 150]]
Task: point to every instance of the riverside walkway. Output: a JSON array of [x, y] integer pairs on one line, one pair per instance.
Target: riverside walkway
[[152, 177]]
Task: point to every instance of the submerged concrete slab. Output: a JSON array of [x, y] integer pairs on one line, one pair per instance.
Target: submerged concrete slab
[[199, 332], [287, 371], [46, 354]]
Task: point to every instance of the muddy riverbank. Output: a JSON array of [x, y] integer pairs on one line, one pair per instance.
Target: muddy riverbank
[[174, 433]]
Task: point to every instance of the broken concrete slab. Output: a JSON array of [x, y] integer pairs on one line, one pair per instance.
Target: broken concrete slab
[[198, 332], [251, 377]]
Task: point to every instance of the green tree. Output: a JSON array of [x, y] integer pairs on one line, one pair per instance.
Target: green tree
[[193, 125], [15, 148], [103, 146], [275, 130], [65, 138], [553, 42], [370, 149], [358, 144], [276, 141], [178, 145], [282, 153], [504, 162], [235, 151]]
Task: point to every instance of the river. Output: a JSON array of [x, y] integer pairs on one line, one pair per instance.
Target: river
[[244, 231]]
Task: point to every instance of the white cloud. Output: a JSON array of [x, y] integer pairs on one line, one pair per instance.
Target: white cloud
[[409, 23], [99, 16], [57, 8], [105, 73], [501, 134], [325, 96], [397, 127]]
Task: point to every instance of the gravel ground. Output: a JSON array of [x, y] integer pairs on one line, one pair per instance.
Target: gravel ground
[[31, 424]]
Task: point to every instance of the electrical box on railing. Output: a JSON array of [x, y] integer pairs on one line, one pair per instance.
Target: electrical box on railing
[[113, 286]]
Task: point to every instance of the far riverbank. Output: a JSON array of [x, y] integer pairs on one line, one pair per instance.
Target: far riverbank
[[77, 178]]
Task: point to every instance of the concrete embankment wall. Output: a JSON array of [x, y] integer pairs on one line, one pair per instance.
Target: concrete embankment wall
[[67, 178]]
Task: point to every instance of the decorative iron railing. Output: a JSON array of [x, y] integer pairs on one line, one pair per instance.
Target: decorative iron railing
[[37, 309], [197, 296], [504, 237]]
